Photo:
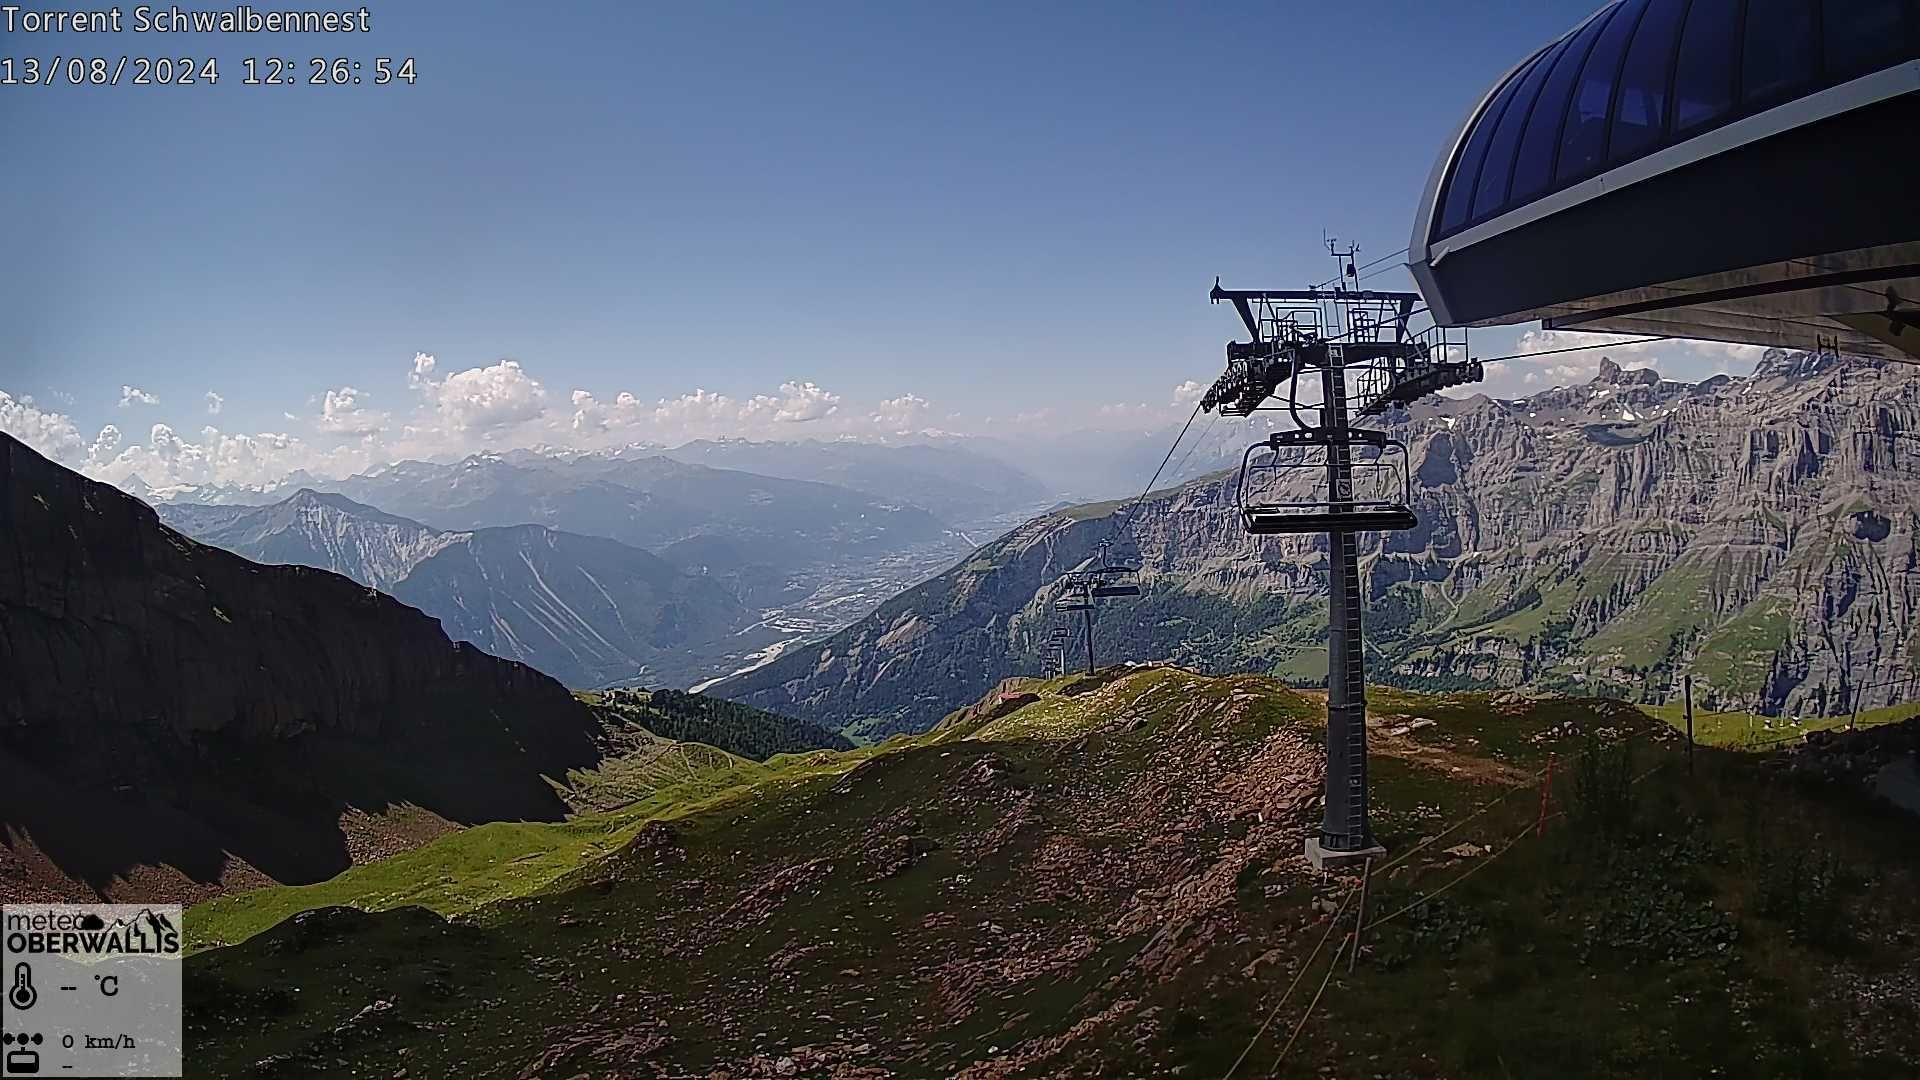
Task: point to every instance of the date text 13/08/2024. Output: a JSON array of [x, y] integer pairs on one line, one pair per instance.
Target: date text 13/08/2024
[[187, 71]]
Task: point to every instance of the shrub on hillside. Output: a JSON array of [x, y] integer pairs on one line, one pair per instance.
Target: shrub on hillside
[[1602, 806]]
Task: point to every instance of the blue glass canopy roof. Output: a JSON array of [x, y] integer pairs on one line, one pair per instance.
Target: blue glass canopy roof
[[1642, 75]]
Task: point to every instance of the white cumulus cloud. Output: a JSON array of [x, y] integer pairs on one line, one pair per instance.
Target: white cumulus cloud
[[449, 410], [1673, 358], [701, 410], [901, 415], [50, 433], [797, 403], [480, 400], [423, 365], [344, 412], [215, 458], [105, 445]]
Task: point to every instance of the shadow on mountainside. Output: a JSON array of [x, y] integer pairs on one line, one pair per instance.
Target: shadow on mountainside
[[194, 821], [164, 704]]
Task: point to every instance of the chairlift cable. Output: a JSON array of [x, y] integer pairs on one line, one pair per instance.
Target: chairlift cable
[[1369, 266], [1087, 586], [1333, 922], [1195, 445], [1495, 853], [1639, 341], [1332, 966], [1657, 731], [1574, 348], [1126, 516], [1376, 273]]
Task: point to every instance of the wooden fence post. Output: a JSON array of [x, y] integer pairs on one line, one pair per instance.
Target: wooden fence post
[[1686, 693]]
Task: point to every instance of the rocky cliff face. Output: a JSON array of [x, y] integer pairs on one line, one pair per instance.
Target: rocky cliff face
[[1759, 533], [167, 703]]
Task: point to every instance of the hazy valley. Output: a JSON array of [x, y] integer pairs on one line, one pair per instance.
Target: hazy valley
[[633, 567]]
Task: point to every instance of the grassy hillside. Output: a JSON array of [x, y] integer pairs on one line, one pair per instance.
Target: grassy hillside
[[1102, 876], [465, 871], [645, 774], [1743, 730]]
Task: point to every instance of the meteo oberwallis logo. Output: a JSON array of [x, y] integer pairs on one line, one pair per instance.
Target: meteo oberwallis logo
[[91, 989], [82, 932]]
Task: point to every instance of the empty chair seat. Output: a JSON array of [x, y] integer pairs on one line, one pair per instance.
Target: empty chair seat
[[1116, 590], [1377, 494], [1270, 521]]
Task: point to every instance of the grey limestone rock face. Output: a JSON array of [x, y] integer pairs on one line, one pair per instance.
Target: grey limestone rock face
[[1604, 539]]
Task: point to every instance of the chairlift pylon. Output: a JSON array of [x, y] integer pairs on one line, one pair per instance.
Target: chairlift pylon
[[1358, 345]]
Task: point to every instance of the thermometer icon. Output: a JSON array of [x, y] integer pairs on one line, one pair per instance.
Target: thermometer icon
[[23, 995]]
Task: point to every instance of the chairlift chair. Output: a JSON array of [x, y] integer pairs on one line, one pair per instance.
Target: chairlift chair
[[1103, 564], [1098, 580], [1102, 579], [1371, 511]]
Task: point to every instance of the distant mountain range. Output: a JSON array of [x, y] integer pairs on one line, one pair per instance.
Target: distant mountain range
[[955, 483], [1762, 534], [763, 528], [312, 529], [826, 531], [689, 486], [769, 537], [586, 610]]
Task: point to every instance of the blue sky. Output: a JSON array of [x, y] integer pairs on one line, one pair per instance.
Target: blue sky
[[968, 212]]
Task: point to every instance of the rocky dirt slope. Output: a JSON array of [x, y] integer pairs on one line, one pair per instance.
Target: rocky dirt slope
[[1101, 876]]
